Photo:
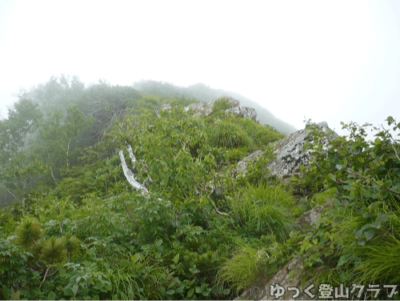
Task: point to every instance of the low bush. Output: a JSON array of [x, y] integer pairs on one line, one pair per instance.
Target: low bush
[[229, 135]]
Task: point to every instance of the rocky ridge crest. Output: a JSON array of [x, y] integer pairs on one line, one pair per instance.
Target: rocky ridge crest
[[207, 108]]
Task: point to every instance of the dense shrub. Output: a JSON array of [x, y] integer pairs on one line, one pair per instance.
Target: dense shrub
[[229, 135]]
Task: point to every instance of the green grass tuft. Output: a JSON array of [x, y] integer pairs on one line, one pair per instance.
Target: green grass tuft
[[229, 135], [264, 210]]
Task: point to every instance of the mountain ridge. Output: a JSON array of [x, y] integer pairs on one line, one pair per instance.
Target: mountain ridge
[[206, 94]]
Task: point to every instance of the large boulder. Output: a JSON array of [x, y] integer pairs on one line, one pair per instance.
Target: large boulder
[[199, 109], [278, 288], [245, 112], [289, 151]]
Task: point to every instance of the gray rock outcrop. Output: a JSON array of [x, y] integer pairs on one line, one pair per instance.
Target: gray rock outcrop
[[199, 109], [235, 108], [285, 279], [244, 112], [309, 217], [289, 151], [242, 165], [165, 107]]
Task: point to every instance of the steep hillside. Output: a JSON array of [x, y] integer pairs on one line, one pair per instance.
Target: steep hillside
[[113, 193]]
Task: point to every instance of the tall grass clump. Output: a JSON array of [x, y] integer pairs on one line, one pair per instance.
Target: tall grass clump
[[265, 209], [247, 265], [262, 135], [381, 262], [229, 135]]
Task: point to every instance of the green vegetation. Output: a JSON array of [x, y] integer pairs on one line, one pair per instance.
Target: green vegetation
[[265, 210], [221, 105], [205, 94], [72, 227], [227, 134]]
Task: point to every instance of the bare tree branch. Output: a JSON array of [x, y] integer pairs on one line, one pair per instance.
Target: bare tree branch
[[8, 190], [397, 155], [129, 175], [52, 175], [131, 155], [380, 185], [44, 278]]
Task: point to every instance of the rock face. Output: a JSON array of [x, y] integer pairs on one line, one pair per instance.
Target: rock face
[[289, 151], [165, 107], [242, 165], [245, 112], [281, 279], [206, 109], [310, 216], [199, 109]]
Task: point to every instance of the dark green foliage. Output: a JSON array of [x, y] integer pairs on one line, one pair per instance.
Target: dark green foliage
[[353, 241], [53, 250], [28, 233], [14, 271]]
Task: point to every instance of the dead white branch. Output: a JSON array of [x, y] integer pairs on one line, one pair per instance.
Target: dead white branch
[[131, 155], [129, 175]]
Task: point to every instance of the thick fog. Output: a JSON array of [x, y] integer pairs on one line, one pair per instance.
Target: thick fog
[[325, 60]]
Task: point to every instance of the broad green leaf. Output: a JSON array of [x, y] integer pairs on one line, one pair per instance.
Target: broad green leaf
[[75, 289], [362, 242], [68, 291], [359, 233], [51, 296], [382, 217], [369, 233], [342, 260], [190, 293], [332, 177], [176, 259], [98, 285], [136, 257]]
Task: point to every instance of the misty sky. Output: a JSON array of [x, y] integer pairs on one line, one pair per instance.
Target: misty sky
[[325, 60]]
